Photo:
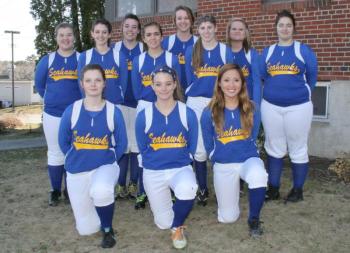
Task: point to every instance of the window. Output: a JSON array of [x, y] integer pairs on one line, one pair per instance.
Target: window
[[320, 100], [115, 9]]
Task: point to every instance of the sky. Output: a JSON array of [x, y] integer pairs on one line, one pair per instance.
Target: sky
[[14, 15]]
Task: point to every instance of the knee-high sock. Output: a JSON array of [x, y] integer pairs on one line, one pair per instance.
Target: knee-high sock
[[274, 169], [300, 171], [134, 168], [106, 215], [56, 175], [123, 165], [201, 174], [182, 209], [256, 201], [140, 179]]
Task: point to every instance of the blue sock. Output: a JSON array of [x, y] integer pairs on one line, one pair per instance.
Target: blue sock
[[274, 169], [65, 179], [56, 175], [106, 215], [182, 209], [256, 201], [134, 167], [300, 171], [201, 174], [141, 188], [123, 165]]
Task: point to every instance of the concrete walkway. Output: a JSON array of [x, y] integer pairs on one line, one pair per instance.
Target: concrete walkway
[[23, 143]]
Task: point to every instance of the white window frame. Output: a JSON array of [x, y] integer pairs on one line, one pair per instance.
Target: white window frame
[[324, 117]]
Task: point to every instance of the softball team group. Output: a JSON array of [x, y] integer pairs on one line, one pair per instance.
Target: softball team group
[[161, 107]]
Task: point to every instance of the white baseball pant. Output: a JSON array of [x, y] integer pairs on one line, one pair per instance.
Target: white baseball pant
[[51, 125], [129, 115]]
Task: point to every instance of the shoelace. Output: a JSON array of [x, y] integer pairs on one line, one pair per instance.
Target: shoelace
[[178, 234]]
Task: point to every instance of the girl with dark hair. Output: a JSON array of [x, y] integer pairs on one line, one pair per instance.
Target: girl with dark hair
[[231, 143], [166, 133], [56, 80], [203, 61], [92, 136], [289, 70]]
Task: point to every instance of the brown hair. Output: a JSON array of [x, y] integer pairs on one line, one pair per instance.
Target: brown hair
[[247, 43], [134, 17], [189, 14], [104, 22], [198, 46], [152, 23], [217, 103]]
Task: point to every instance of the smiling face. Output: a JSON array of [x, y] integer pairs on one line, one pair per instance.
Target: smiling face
[[206, 31], [164, 86], [285, 29], [101, 35], [237, 31], [65, 39], [152, 37], [130, 29], [182, 21], [231, 84], [93, 83]]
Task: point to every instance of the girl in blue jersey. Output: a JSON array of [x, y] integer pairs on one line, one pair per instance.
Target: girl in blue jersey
[[141, 79], [130, 46], [289, 70], [113, 62], [92, 136], [166, 134], [183, 38], [230, 141], [238, 39], [203, 61], [56, 80]]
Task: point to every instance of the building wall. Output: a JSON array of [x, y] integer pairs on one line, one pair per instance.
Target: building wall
[[322, 24], [24, 94]]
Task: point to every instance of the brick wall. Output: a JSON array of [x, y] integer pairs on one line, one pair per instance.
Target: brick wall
[[322, 24]]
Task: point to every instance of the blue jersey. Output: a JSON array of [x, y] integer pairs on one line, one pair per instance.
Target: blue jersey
[[233, 144], [143, 66], [129, 99], [289, 73], [166, 142], [88, 145], [201, 81], [249, 63], [174, 45], [56, 80], [116, 71]]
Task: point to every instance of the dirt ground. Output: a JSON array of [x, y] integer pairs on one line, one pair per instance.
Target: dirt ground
[[321, 223]]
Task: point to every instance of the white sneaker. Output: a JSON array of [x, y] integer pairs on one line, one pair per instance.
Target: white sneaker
[[178, 237]]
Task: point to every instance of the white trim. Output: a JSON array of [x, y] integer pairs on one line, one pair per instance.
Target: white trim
[[51, 58]]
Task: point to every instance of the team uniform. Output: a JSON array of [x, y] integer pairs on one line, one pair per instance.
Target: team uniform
[[56, 80], [290, 74], [115, 66], [249, 64], [199, 92], [234, 155], [92, 143], [167, 144], [128, 108], [174, 45]]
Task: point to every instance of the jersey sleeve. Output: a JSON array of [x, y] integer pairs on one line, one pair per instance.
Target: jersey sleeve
[[262, 64], [123, 66], [192, 131], [176, 66], [311, 65], [81, 65], [190, 77], [136, 79], [119, 133], [229, 55], [256, 122], [208, 130], [256, 77], [40, 77], [65, 131], [141, 137]]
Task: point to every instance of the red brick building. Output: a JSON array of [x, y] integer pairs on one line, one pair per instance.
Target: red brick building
[[322, 24]]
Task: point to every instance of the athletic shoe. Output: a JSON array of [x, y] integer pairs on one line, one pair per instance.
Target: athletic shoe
[[54, 197], [178, 237], [108, 239], [202, 197], [255, 229], [295, 195], [66, 196], [141, 201], [272, 193], [121, 192], [132, 190]]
